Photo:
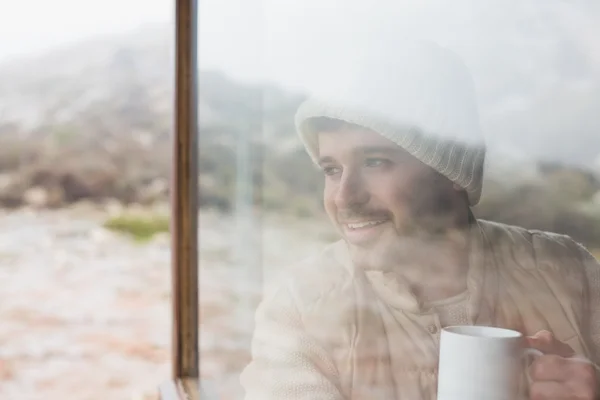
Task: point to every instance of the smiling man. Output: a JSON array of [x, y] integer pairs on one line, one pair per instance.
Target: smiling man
[[402, 156], [392, 209]]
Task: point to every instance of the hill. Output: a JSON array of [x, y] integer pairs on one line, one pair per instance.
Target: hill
[[94, 122]]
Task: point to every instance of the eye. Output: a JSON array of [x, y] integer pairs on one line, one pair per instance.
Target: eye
[[376, 162], [330, 170]]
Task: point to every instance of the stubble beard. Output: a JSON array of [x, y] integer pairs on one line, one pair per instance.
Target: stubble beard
[[428, 225]]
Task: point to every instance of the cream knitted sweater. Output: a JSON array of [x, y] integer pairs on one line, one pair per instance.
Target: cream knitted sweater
[[334, 332]]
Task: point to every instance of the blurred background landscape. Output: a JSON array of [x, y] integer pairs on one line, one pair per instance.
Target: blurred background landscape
[[95, 125], [85, 161]]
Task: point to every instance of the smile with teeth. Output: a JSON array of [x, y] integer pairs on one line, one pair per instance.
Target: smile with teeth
[[366, 224]]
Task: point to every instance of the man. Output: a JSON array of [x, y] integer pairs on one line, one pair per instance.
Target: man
[[402, 155]]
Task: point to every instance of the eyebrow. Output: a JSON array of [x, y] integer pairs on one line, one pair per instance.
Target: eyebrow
[[376, 149], [365, 150], [326, 160]]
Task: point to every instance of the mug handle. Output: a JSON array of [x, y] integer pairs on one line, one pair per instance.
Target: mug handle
[[528, 355]]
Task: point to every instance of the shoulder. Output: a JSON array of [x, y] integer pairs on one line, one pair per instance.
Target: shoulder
[[498, 232], [544, 246]]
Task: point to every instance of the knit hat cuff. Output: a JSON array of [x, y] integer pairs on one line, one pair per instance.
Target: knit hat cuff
[[460, 162]]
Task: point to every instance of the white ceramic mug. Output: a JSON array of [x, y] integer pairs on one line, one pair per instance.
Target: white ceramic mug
[[478, 362]]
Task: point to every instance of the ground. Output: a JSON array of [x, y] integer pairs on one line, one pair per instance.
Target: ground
[[85, 312]]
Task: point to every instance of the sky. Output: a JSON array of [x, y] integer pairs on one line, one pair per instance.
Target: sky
[[248, 38], [281, 39], [306, 45], [278, 38], [33, 26]]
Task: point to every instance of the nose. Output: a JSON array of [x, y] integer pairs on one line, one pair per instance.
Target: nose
[[351, 191]]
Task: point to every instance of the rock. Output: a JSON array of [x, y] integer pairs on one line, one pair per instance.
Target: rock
[[36, 197], [88, 181], [84, 207], [55, 197], [11, 191], [11, 196], [157, 190], [5, 182], [114, 208]]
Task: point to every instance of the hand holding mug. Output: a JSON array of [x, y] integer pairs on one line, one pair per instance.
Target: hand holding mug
[[558, 374]]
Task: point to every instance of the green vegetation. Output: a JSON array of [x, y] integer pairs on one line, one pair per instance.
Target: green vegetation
[[140, 227], [561, 199]]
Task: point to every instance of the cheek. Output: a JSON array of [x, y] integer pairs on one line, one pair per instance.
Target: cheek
[[396, 194], [430, 197], [392, 194], [329, 199]]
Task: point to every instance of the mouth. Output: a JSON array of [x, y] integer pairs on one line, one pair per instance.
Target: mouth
[[362, 225], [358, 232]]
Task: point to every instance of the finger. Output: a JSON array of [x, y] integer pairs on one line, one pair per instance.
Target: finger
[[555, 348], [544, 335], [545, 342], [549, 368], [582, 376], [545, 390], [540, 341], [556, 368], [557, 391], [577, 379]]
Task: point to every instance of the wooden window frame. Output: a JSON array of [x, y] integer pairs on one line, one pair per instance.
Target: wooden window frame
[[184, 383]]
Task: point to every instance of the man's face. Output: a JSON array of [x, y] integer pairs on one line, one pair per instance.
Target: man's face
[[377, 194]]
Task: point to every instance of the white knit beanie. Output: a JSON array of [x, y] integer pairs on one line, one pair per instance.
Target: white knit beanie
[[420, 96]]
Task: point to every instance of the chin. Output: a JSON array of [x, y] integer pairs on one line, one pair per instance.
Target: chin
[[375, 255]]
